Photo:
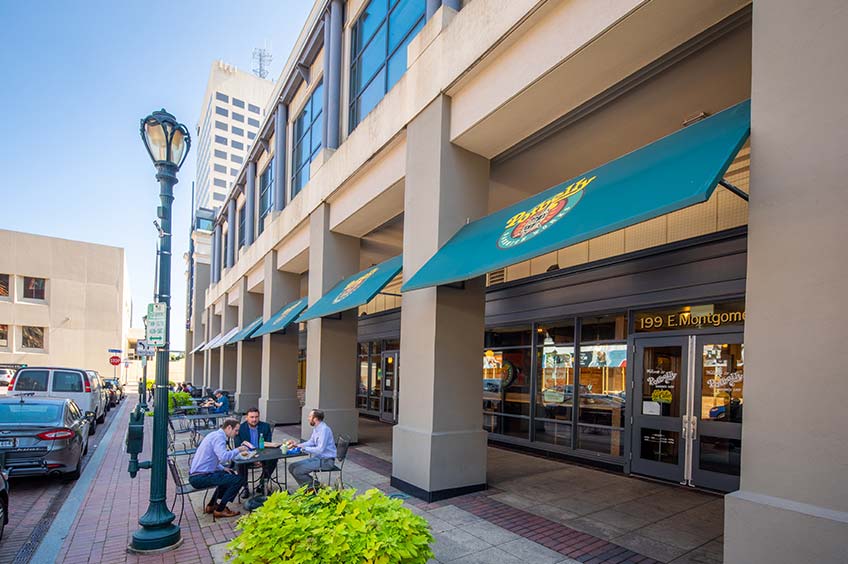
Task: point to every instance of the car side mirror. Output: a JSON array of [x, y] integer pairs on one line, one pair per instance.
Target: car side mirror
[[90, 415]]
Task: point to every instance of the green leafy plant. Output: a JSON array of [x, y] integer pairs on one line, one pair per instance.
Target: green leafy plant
[[176, 399], [332, 526]]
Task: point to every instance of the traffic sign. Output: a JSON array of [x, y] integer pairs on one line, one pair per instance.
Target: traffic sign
[[114, 351], [156, 324], [114, 360], [144, 348]]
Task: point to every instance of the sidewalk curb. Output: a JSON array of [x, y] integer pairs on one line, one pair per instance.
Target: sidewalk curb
[[50, 546]]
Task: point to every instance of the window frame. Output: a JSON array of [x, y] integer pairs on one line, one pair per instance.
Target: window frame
[[43, 347], [297, 167], [10, 281], [242, 217], [266, 193], [23, 294]]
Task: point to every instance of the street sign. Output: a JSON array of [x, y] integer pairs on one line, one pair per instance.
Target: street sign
[[156, 323], [144, 348], [114, 351], [114, 360]]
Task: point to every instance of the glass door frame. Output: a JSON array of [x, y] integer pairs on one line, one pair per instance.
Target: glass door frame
[[389, 393]]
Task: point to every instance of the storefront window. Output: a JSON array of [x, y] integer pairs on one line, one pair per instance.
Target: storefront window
[[506, 391], [362, 381], [555, 383], [500, 337], [722, 381], [604, 328]]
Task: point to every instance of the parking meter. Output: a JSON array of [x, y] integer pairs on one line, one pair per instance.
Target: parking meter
[[135, 439]]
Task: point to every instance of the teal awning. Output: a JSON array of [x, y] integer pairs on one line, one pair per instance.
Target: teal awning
[[212, 342], [282, 318], [225, 338], [247, 332], [677, 171], [355, 290]]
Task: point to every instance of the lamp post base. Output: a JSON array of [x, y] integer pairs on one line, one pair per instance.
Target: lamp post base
[[155, 539]]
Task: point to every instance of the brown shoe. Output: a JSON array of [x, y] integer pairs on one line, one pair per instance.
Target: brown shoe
[[210, 507], [225, 513]]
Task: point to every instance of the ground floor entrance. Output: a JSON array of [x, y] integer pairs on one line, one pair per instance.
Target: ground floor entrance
[[687, 418], [378, 384]]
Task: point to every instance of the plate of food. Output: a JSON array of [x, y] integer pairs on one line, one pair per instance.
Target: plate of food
[[247, 454]]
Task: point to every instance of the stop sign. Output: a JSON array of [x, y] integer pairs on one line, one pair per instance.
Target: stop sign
[[114, 360]]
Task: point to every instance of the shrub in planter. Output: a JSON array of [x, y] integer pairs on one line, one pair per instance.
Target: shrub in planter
[[176, 399], [332, 526]]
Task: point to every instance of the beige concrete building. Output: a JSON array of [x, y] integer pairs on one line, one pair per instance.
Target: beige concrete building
[[458, 135], [233, 107], [62, 302]]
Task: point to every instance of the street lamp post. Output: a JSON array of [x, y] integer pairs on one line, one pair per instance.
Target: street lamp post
[[167, 142]]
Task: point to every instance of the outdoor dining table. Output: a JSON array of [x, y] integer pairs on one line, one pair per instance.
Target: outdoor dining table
[[264, 455]]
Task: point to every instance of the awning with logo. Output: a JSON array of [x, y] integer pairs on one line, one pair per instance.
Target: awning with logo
[[280, 320], [198, 347], [247, 332], [677, 171], [355, 290]]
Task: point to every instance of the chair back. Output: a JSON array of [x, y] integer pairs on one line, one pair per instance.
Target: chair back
[[342, 445], [175, 473]]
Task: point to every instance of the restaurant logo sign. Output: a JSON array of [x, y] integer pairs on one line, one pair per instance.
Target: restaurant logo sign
[[285, 312], [354, 285], [525, 225]]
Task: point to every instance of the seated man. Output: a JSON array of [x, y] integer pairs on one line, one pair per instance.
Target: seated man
[[249, 432], [320, 446], [207, 468], [221, 403]]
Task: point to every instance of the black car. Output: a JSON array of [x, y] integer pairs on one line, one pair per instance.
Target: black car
[[115, 386], [43, 436]]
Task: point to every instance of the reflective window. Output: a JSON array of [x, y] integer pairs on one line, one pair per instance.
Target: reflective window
[[4, 336], [378, 51], [220, 140], [660, 446], [4, 285], [236, 159], [252, 108], [66, 381], [717, 454], [34, 288], [238, 103], [221, 111], [220, 183], [31, 381], [238, 131], [238, 117], [251, 135], [517, 336], [220, 154], [253, 122], [506, 391], [222, 97], [266, 183], [307, 139], [220, 125], [237, 145], [722, 382], [241, 216], [363, 378]]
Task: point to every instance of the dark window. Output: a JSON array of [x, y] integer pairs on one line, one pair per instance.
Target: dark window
[[238, 103], [220, 125], [30, 412], [253, 122], [237, 145], [220, 154], [251, 135], [221, 140], [236, 159], [238, 131], [220, 183], [222, 97], [31, 381], [233, 171], [219, 197], [307, 139], [67, 381], [221, 111], [379, 41], [4, 285], [4, 335], [266, 192], [238, 117], [220, 168], [241, 216], [34, 288], [518, 336], [252, 108]]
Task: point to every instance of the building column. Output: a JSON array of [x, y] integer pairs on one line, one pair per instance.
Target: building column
[[278, 400], [228, 355], [281, 119], [216, 254], [248, 353], [231, 233], [439, 446], [213, 356], [792, 505], [250, 204], [332, 74], [198, 294], [331, 342]]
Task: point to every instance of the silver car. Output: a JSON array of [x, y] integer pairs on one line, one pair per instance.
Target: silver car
[[43, 436]]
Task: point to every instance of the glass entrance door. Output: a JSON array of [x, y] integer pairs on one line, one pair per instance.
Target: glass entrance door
[[388, 401], [687, 420], [660, 386]]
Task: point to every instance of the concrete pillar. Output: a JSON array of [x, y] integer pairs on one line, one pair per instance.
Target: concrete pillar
[[250, 204], [198, 328], [281, 119], [213, 356], [439, 446], [332, 73], [216, 254], [231, 233], [228, 355], [248, 353], [792, 505], [278, 399], [331, 343]]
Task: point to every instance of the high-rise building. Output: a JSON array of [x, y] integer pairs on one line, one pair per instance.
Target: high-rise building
[[233, 107]]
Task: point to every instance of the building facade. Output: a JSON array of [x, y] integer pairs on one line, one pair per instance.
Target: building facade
[[233, 107], [62, 303], [529, 222]]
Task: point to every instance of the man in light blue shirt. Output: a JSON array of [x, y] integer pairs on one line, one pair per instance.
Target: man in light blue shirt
[[321, 448], [207, 468]]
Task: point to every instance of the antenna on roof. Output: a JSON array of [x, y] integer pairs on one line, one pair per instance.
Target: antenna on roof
[[262, 61]]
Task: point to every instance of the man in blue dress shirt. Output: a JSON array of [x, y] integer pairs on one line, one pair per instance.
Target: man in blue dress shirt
[[320, 446], [249, 432], [207, 468]]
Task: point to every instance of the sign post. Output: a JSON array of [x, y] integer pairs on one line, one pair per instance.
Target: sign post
[[156, 324]]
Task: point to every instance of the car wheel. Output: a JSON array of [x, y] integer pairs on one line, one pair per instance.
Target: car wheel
[[93, 427], [76, 473], [4, 511], [85, 450], [102, 417]]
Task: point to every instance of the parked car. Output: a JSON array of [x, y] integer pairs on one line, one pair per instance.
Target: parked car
[[4, 498], [43, 436], [111, 394], [71, 383], [6, 376], [104, 394], [115, 384]]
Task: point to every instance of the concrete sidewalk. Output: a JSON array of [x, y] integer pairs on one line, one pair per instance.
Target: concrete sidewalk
[[485, 527]]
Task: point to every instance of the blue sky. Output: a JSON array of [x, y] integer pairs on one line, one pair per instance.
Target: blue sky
[[78, 77]]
